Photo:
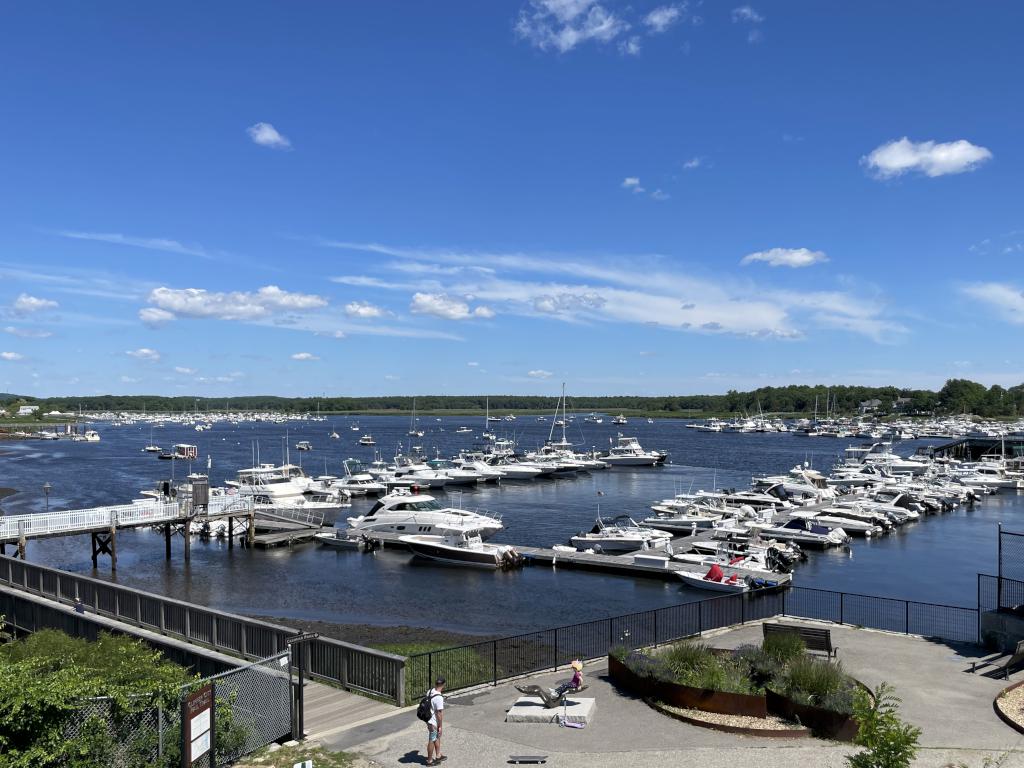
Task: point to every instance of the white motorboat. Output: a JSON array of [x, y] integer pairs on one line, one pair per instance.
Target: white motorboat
[[303, 445], [681, 522], [464, 430], [286, 486], [627, 452], [463, 549], [716, 581], [334, 435], [418, 513], [807, 534], [620, 420], [621, 534], [367, 440], [836, 522]]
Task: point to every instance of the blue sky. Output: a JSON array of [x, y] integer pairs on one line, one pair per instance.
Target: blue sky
[[388, 197]]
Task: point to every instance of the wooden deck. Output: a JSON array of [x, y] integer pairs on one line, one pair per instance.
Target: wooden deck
[[329, 710]]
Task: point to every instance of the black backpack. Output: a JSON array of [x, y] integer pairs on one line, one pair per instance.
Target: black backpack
[[425, 710]]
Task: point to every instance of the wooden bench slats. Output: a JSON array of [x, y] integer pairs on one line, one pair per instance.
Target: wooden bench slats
[[815, 638]]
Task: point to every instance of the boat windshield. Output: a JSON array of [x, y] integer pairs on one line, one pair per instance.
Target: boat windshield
[[428, 505]]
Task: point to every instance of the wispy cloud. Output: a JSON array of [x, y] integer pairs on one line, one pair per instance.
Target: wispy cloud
[[27, 333], [1005, 299], [663, 17], [539, 373], [693, 163], [363, 309], [144, 353], [11, 357], [148, 243], [266, 135], [630, 46], [595, 289], [746, 13], [561, 25], [632, 183], [930, 158], [786, 257], [26, 304], [184, 370], [304, 356]]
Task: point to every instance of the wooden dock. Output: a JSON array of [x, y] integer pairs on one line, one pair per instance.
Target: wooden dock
[[283, 538], [623, 565]]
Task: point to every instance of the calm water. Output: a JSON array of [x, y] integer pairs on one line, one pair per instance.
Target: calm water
[[934, 560]]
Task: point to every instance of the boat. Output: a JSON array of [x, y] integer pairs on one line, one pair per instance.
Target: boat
[[152, 447], [807, 534], [334, 436], [627, 452], [354, 427], [620, 420], [286, 486], [463, 549], [359, 483], [414, 430], [683, 522], [367, 440], [406, 513], [621, 534], [463, 430], [716, 581], [303, 445]]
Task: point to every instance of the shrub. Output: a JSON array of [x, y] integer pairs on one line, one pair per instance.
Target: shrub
[[696, 665], [812, 681], [687, 657], [888, 741], [761, 668], [784, 648]]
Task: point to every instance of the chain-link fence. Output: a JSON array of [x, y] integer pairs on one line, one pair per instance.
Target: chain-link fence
[[252, 710]]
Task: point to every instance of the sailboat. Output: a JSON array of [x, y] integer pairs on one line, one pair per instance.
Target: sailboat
[[487, 434], [414, 430], [152, 447]]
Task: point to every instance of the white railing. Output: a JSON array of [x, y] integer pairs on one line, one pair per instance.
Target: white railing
[[82, 520]]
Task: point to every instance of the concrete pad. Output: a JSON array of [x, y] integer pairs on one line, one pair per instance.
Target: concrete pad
[[531, 709]]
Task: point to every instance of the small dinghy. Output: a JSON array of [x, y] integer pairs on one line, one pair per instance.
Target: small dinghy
[[715, 580]]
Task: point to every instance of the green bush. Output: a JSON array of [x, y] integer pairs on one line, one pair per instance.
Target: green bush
[[812, 681], [762, 669], [888, 742], [698, 666], [784, 648]]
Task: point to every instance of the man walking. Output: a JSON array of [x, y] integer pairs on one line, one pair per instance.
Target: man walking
[[436, 722]]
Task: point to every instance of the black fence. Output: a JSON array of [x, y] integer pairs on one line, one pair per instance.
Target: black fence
[[508, 657]]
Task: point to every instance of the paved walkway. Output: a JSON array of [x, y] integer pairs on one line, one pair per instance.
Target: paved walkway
[[951, 706]]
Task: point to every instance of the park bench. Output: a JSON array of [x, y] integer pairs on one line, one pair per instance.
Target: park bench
[[815, 638], [1012, 660]]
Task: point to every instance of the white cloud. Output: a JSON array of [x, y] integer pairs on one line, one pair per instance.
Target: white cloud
[[632, 183], [144, 353], [266, 135], [568, 302], [663, 17], [11, 356], [693, 162], [27, 333], [561, 25], [928, 157], [630, 46], [26, 304], [660, 195], [539, 373], [391, 377], [237, 305], [1006, 300], [154, 317], [473, 364], [149, 243], [747, 14], [183, 370], [362, 309], [304, 356], [129, 380], [786, 257], [447, 307]]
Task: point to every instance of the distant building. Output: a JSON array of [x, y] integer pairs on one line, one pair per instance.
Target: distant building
[[869, 406], [900, 403], [27, 410]]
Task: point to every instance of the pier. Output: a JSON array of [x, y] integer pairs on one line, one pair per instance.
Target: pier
[[973, 448]]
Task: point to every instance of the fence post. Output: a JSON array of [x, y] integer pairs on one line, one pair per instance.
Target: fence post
[[655, 627], [400, 684], [494, 660], [842, 605], [784, 591], [743, 608], [430, 668], [906, 617], [556, 648], [978, 613], [700, 617]]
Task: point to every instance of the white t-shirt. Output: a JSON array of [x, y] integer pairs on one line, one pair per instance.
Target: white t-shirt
[[436, 705]]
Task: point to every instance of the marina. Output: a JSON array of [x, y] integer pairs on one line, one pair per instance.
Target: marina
[[538, 517]]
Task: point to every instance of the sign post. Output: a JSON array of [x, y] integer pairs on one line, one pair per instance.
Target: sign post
[[198, 731], [297, 652]]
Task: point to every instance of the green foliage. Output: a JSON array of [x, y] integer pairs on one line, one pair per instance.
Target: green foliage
[[888, 742], [957, 396], [44, 680], [807, 680], [784, 647], [696, 665]]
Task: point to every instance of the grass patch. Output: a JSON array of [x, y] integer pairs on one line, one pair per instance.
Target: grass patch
[[286, 757], [461, 667]]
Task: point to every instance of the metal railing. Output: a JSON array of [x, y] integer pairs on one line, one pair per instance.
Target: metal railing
[[85, 520], [351, 666], [493, 660]]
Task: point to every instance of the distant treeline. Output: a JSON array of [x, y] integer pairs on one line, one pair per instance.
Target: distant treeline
[[957, 396]]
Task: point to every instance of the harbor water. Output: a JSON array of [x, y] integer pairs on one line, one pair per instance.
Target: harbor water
[[935, 560]]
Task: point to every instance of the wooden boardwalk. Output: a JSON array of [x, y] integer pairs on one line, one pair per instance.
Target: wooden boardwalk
[[329, 710]]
